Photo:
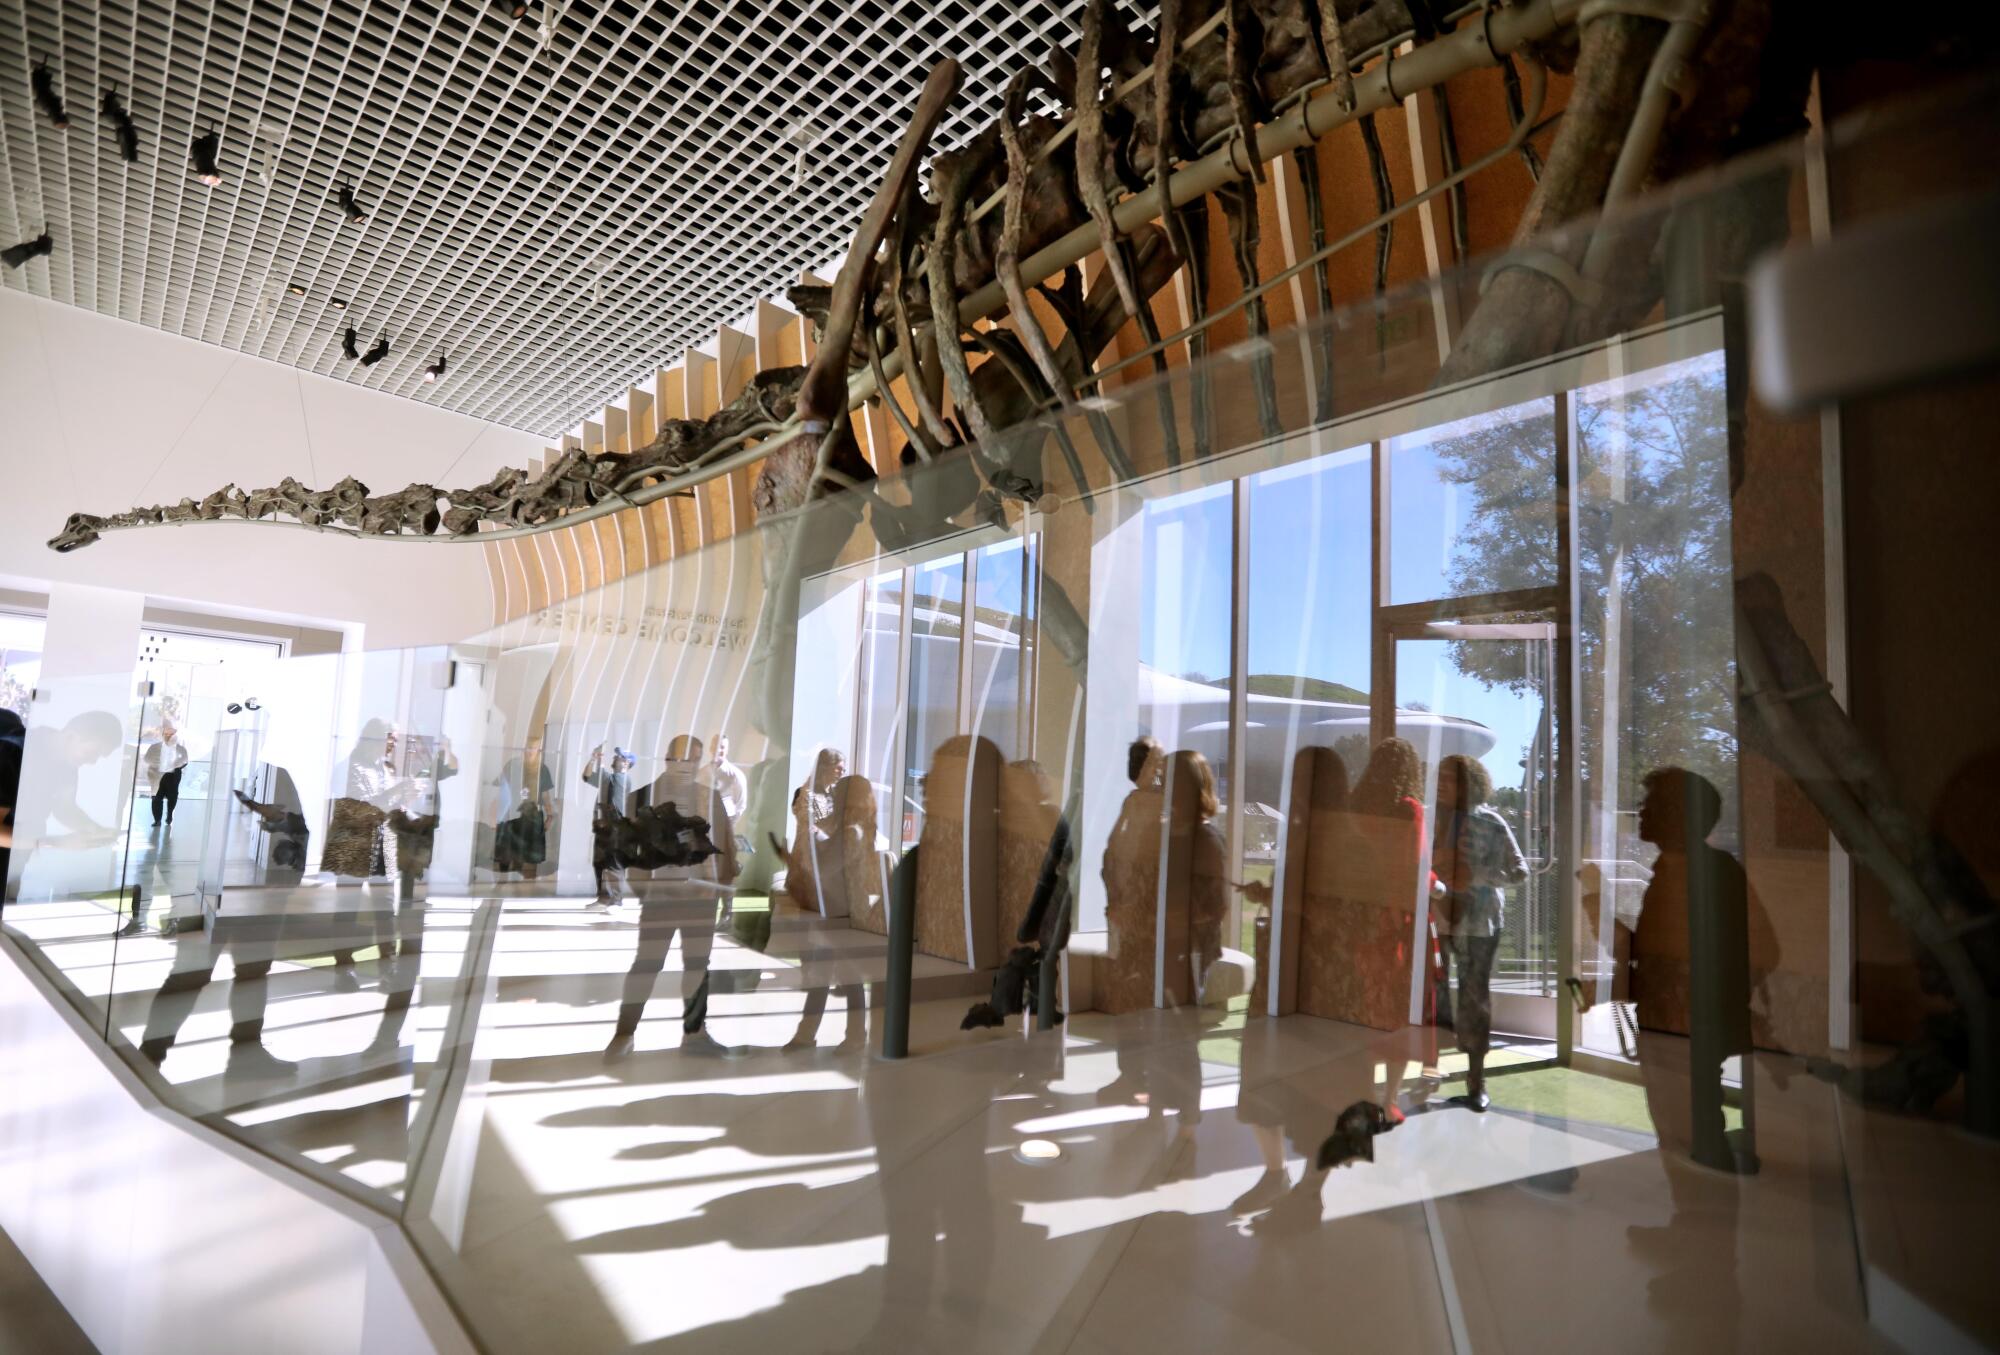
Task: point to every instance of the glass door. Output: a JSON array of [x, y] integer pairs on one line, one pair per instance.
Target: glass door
[[1484, 688]]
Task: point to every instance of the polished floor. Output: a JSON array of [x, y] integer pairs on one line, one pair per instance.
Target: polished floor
[[777, 1186]]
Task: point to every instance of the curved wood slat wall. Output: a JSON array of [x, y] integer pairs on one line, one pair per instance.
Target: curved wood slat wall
[[623, 598]]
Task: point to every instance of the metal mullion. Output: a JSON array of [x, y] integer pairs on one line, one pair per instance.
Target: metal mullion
[[967, 626], [1564, 723], [1239, 690], [902, 741]]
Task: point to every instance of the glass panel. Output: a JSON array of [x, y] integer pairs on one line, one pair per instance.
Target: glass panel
[[1182, 694], [880, 697], [1002, 650], [1471, 505], [937, 606], [20, 660], [1309, 627], [1655, 637]]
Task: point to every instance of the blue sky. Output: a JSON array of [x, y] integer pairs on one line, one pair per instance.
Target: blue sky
[[1309, 585]]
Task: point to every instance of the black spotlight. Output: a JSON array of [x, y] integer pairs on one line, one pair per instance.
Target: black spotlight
[[349, 207], [517, 9], [339, 303], [297, 289], [45, 95], [121, 123], [434, 371], [377, 353], [16, 255], [207, 147], [347, 348]]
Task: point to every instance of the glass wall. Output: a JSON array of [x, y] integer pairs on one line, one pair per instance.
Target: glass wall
[[20, 659]]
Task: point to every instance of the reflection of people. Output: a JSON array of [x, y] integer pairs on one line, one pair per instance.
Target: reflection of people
[[1690, 970], [53, 767], [864, 864], [166, 758], [680, 898], [1208, 893], [13, 739], [283, 819], [354, 844], [521, 841], [614, 800], [1691, 964], [1131, 873], [727, 778], [812, 865], [1473, 855], [196, 951]]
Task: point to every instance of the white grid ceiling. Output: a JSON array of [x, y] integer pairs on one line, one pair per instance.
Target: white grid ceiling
[[653, 147]]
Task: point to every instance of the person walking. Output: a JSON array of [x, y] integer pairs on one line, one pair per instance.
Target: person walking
[[165, 760]]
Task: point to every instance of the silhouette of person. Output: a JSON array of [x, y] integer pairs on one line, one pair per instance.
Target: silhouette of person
[[812, 868], [1690, 969], [682, 899], [1208, 896], [52, 763], [166, 758], [357, 838], [1130, 871], [1474, 856], [283, 821], [613, 803], [861, 879], [1691, 966], [521, 841], [13, 740], [727, 778], [196, 953]]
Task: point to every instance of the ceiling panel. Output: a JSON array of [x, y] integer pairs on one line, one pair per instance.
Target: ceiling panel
[[558, 205]]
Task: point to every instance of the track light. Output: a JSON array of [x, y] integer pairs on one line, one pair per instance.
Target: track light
[[207, 149], [349, 207], [16, 255], [121, 123], [347, 348], [434, 371], [297, 289], [339, 303], [45, 94], [377, 353]]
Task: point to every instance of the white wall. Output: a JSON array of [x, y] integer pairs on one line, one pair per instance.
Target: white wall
[[102, 415]]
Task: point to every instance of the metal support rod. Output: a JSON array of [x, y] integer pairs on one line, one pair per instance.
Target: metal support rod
[[902, 946]]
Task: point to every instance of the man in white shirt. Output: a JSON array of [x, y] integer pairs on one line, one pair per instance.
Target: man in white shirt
[[164, 763], [726, 779]]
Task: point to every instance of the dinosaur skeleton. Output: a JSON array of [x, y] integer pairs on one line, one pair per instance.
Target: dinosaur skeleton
[[1031, 196]]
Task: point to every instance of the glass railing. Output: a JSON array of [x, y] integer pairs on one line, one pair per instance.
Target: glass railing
[[1329, 740]]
